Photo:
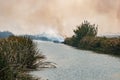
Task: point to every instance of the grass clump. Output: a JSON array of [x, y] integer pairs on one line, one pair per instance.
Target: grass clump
[[18, 55]]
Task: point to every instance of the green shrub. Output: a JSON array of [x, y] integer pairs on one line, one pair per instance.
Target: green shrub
[[85, 38], [83, 30]]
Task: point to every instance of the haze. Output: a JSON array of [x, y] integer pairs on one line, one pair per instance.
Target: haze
[[58, 16]]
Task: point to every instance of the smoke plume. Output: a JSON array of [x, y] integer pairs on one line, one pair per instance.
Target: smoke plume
[[58, 16]]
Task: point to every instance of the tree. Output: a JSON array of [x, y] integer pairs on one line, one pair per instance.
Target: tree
[[85, 29]]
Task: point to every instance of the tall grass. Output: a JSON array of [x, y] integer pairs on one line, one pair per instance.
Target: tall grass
[[101, 44], [17, 56]]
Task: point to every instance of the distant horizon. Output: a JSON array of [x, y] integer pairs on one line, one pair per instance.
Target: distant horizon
[[53, 34]]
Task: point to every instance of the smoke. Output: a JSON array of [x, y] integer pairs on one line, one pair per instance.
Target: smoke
[[110, 9], [59, 16]]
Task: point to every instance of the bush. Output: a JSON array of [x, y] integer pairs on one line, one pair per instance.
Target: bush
[[85, 37], [85, 29], [101, 44], [17, 55]]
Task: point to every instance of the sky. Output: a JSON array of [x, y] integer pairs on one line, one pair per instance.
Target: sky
[[58, 16]]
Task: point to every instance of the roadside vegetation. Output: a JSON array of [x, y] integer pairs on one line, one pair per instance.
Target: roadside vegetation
[[18, 56], [85, 37]]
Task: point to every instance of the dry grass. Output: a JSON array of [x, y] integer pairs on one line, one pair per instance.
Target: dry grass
[[17, 55]]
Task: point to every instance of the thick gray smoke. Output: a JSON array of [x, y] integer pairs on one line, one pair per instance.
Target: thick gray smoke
[[58, 16]]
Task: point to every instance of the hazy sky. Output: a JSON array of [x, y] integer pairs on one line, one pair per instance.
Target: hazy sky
[[58, 16]]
